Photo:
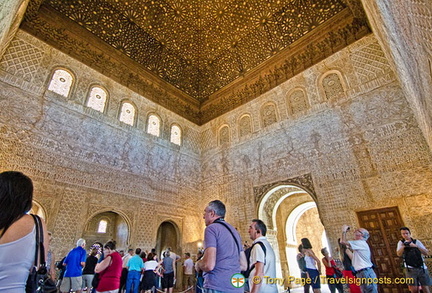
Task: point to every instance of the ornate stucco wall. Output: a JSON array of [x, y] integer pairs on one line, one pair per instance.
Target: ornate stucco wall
[[84, 162], [345, 121], [355, 134]]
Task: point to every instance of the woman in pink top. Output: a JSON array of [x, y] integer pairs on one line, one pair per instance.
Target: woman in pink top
[[109, 270]]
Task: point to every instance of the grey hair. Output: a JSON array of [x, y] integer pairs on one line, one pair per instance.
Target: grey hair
[[218, 207], [365, 233], [81, 242]]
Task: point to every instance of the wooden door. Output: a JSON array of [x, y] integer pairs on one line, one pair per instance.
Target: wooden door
[[383, 226]]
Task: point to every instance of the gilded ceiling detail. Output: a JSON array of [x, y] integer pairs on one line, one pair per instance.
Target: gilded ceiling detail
[[199, 47]]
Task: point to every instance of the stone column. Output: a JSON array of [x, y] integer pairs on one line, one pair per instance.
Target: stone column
[[272, 238], [11, 15]]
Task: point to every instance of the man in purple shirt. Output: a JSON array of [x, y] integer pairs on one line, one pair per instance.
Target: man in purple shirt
[[223, 255]]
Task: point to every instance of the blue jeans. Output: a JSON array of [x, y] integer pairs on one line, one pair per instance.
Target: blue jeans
[[133, 280], [369, 273]]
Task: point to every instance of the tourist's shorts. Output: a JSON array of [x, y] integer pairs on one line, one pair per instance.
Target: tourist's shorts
[[168, 280], [87, 281], [315, 278], [420, 276], [71, 283]]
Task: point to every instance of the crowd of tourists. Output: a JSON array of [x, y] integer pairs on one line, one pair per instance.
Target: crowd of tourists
[[224, 266]]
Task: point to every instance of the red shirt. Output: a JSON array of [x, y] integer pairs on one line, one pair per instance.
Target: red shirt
[[330, 271], [110, 277]]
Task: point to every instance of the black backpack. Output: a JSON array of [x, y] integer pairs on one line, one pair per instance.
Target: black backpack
[[247, 253], [412, 256]]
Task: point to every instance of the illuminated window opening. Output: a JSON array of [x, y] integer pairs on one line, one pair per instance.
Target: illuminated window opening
[[61, 82]]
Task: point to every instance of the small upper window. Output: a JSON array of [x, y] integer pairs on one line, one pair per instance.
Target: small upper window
[[102, 228], [61, 82], [153, 126], [97, 99], [127, 113], [176, 134]]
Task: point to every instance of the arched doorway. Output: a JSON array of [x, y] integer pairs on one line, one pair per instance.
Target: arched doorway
[[105, 226], [168, 236], [291, 213], [303, 222]]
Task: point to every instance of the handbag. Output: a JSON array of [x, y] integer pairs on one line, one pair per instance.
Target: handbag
[[338, 273], [96, 279], [38, 280]]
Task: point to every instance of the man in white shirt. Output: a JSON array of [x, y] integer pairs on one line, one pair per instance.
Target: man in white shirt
[[262, 260], [188, 273], [361, 260], [413, 251]]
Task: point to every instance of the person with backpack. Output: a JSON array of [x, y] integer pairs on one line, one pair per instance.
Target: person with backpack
[[262, 261], [412, 252]]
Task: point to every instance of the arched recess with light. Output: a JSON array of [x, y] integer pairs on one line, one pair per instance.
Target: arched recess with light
[[154, 125], [61, 82], [105, 225], [290, 212], [97, 98], [128, 112], [176, 134]]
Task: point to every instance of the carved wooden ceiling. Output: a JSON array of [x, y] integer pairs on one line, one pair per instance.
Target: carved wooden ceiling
[[198, 58]]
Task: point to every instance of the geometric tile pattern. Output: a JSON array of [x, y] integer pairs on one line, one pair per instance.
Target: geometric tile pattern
[[22, 59]]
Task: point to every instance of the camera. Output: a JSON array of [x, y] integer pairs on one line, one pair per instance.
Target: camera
[[407, 243]]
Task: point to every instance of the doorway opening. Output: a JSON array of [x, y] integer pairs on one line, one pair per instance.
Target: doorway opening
[[290, 213], [168, 235]]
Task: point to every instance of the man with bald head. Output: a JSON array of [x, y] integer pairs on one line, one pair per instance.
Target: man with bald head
[[361, 259]]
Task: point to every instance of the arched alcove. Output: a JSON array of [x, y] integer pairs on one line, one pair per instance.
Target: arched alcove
[[105, 226], [168, 236]]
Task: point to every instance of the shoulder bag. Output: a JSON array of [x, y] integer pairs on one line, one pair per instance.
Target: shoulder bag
[[38, 280]]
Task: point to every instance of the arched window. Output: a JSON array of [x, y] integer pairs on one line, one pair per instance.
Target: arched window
[[245, 125], [224, 135], [102, 227], [297, 102], [176, 134], [97, 99], [61, 82], [332, 86], [153, 125], [268, 114], [127, 113]]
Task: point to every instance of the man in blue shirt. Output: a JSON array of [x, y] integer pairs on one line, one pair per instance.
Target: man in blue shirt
[[74, 262], [222, 242], [135, 266]]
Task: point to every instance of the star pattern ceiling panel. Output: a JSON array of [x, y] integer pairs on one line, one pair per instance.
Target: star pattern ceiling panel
[[199, 46]]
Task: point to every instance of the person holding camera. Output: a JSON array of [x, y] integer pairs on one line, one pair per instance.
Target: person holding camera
[[361, 259], [412, 252]]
